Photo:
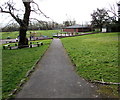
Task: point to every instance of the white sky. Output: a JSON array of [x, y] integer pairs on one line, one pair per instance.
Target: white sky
[[62, 10]]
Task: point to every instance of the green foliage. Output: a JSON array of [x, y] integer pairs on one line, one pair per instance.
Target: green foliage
[[16, 63], [95, 55], [9, 34], [100, 18]]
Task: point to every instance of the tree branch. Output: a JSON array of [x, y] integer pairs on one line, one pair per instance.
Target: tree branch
[[113, 10], [39, 10], [9, 23], [3, 11], [10, 8], [37, 20]]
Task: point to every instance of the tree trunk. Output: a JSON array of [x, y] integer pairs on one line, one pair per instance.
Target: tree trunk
[[23, 41], [101, 28]]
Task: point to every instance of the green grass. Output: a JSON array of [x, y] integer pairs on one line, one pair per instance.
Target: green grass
[[13, 35], [4, 35], [96, 58], [95, 55], [16, 63]]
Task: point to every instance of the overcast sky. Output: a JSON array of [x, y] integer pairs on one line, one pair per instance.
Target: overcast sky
[[61, 10]]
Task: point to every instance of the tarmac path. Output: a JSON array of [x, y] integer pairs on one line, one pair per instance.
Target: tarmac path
[[55, 77]]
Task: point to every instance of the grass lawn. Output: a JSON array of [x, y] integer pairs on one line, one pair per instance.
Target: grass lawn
[[13, 35], [95, 55], [16, 63]]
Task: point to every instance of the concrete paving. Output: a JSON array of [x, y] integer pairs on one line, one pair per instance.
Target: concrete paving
[[55, 77]]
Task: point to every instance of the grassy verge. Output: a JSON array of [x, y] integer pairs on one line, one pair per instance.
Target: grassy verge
[[16, 63], [95, 55], [13, 35]]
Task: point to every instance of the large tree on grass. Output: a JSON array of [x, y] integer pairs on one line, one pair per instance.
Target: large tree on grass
[[100, 18], [9, 8]]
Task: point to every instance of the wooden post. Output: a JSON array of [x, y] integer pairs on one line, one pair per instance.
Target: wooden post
[[72, 33], [41, 43], [3, 47], [38, 45], [9, 47], [30, 44], [15, 44]]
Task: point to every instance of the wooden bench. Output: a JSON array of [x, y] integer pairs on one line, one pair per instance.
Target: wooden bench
[[7, 46], [36, 43]]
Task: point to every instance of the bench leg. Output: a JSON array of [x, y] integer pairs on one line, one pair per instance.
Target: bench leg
[[10, 48], [38, 45], [3, 47], [30, 45]]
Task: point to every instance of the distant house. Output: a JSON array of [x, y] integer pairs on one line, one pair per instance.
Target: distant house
[[77, 28]]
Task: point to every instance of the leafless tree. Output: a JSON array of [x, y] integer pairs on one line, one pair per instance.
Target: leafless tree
[[113, 10], [9, 7]]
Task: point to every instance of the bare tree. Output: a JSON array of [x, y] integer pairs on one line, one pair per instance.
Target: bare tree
[[114, 12], [9, 8], [115, 20]]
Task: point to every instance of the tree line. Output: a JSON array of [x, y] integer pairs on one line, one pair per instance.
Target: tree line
[[101, 19], [39, 25], [42, 25]]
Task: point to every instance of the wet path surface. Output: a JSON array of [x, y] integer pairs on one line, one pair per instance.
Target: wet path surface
[[55, 77]]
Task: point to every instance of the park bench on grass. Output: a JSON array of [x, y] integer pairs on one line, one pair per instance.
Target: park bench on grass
[[7, 46], [32, 44]]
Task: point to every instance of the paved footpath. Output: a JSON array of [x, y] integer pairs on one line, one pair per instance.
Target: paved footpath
[[55, 77]]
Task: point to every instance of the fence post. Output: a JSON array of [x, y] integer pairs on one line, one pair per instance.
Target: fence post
[[30, 44]]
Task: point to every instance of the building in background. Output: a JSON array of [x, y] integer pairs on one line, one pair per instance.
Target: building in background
[[77, 28]]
